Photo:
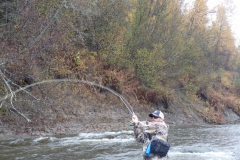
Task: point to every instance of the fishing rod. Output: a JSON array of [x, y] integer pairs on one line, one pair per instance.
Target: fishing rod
[[125, 102]]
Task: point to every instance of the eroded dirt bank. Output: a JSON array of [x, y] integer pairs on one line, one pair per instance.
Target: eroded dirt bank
[[101, 112]]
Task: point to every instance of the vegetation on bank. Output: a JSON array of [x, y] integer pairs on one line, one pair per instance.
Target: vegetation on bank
[[140, 48]]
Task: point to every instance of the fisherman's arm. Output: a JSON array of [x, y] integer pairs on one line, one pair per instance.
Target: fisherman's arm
[[138, 131], [143, 125], [140, 128]]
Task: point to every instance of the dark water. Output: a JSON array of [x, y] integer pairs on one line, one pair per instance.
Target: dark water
[[187, 143]]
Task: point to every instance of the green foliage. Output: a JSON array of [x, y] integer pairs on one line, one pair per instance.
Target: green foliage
[[4, 111], [109, 32], [164, 46], [192, 88], [46, 7], [77, 59], [117, 58], [2, 89], [149, 65], [237, 84]]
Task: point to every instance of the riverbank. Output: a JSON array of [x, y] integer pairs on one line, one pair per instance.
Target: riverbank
[[101, 113]]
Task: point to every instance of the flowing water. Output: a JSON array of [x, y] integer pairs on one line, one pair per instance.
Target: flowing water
[[187, 143]]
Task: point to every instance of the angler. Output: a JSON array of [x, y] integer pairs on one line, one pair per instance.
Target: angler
[[153, 135]]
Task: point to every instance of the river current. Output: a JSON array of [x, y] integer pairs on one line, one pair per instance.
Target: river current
[[187, 143]]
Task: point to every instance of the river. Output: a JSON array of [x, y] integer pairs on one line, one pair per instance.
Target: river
[[220, 142]]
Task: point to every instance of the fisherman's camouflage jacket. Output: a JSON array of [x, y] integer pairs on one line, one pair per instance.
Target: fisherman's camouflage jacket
[[144, 131]]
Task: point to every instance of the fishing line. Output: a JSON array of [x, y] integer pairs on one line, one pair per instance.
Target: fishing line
[[125, 102], [127, 105]]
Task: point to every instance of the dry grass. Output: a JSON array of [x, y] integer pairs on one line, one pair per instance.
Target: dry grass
[[221, 95]]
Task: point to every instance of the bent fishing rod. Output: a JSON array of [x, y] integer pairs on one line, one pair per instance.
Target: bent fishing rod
[[125, 102]]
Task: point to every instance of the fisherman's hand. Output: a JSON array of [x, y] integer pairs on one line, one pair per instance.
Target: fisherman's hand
[[134, 118], [131, 123]]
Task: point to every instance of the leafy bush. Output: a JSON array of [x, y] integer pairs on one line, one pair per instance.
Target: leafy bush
[[150, 66]]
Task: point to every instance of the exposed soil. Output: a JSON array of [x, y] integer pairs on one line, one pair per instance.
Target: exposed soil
[[94, 111]]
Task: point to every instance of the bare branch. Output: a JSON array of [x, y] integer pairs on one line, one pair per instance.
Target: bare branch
[[23, 89], [74, 81], [12, 95], [5, 97], [45, 29]]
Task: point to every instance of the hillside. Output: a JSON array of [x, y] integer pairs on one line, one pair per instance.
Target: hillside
[[56, 56], [71, 107]]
